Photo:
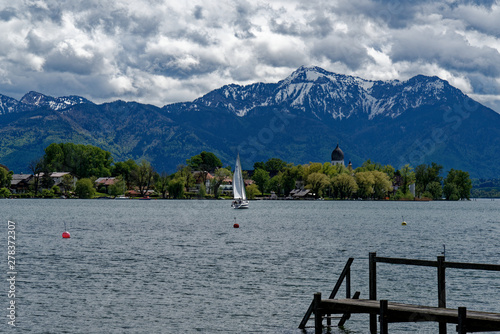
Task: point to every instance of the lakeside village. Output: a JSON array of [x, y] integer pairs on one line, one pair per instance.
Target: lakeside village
[[70, 170]]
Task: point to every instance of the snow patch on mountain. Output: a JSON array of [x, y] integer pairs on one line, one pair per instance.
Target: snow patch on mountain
[[57, 104], [7, 105]]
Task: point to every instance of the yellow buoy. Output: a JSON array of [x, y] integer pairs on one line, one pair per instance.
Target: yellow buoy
[[403, 223]]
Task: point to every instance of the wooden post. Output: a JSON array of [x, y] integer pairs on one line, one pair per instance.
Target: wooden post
[[384, 328], [318, 316], [372, 266], [348, 283], [441, 275], [462, 315]]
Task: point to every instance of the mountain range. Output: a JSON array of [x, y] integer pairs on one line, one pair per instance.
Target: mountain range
[[300, 119]]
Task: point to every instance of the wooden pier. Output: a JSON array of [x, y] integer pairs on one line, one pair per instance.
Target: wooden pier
[[388, 312]]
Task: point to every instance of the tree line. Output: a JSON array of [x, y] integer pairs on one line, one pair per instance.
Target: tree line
[[369, 181]]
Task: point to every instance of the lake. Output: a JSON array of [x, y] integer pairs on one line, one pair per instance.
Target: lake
[[168, 266]]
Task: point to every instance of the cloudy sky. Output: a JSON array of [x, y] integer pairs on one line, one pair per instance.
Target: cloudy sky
[[161, 52]]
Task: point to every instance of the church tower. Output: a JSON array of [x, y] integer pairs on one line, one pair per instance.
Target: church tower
[[337, 156]]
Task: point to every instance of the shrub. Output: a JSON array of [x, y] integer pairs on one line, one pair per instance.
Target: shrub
[[252, 191], [46, 193], [84, 188], [4, 192], [427, 194], [399, 195], [56, 189]]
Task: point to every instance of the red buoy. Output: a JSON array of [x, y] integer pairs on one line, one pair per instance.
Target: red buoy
[[66, 235], [236, 225]]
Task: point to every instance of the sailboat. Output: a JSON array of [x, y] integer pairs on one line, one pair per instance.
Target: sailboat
[[239, 194]]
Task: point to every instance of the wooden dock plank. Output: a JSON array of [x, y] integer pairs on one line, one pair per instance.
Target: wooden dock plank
[[466, 320], [398, 312]]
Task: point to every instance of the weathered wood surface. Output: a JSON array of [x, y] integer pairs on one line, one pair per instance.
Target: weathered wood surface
[[397, 312]]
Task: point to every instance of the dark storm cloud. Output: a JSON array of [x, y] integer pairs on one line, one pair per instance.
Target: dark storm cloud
[[43, 11], [7, 14], [394, 14], [68, 61], [449, 50], [484, 84], [479, 18], [322, 25], [172, 66], [341, 48], [110, 21], [242, 23], [284, 28], [198, 12], [279, 58]]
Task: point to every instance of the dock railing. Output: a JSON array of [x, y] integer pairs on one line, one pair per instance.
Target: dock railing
[[441, 266], [394, 312]]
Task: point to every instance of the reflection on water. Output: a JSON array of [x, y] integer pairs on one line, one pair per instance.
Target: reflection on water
[[181, 267]]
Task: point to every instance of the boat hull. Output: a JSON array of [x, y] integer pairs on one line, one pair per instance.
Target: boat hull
[[242, 205]]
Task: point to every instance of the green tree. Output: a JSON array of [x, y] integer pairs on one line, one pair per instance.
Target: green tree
[[457, 183], [85, 188], [252, 191], [46, 181], [407, 178], [143, 177], [274, 165], [187, 173], [259, 165], [313, 167], [202, 192], [399, 195], [344, 185], [83, 161], [219, 176], [126, 169], [450, 191], [425, 175], [56, 189], [47, 193], [390, 171], [161, 185], [205, 162], [54, 156], [365, 182], [118, 187], [36, 168], [317, 182], [67, 184], [176, 187], [291, 174], [333, 170], [435, 190], [382, 184], [276, 183], [369, 166], [261, 178], [5, 193], [5, 178]]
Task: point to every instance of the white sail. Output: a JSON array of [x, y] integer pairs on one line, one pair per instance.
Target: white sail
[[238, 183]]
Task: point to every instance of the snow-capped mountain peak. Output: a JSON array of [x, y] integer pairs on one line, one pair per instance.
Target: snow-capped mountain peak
[[329, 95], [58, 103]]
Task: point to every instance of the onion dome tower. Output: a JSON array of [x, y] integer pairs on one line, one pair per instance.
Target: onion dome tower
[[337, 156]]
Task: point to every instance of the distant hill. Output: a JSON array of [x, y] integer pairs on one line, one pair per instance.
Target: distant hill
[[299, 119]]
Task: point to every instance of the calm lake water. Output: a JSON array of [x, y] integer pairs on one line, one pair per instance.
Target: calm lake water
[[135, 266]]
